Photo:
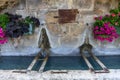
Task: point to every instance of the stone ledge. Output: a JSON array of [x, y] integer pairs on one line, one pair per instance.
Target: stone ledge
[[71, 75]]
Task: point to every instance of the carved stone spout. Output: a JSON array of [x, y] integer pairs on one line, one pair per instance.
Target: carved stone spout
[[86, 46], [44, 44]]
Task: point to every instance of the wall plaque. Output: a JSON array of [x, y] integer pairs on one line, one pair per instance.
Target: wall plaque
[[67, 15]]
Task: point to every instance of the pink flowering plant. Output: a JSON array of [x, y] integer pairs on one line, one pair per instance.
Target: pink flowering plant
[[107, 28], [3, 39], [106, 32]]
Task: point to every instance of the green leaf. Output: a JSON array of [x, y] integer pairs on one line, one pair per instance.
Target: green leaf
[[117, 29], [4, 19], [116, 11]]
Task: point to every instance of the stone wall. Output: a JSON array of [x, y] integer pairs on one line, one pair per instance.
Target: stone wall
[[60, 35]]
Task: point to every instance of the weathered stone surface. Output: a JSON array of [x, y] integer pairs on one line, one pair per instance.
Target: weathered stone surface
[[65, 30], [42, 4], [56, 4], [77, 29], [26, 13], [89, 19], [83, 4], [60, 29], [52, 23], [6, 4], [33, 4], [60, 34], [22, 5], [102, 1], [54, 29], [73, 29], [104, 6], [50, 17], [71, 75], [69, 41]]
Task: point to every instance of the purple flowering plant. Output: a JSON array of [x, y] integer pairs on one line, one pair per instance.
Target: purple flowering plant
[[14, 26]]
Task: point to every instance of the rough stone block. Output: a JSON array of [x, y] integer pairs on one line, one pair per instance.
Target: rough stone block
[[22, 4], [69, 41], [52, 23], [56, 4], [104, 6], [50, 17], [54, 29], [83, 5], [44, 4], [89, 19], [33, 4], [77, 29]]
